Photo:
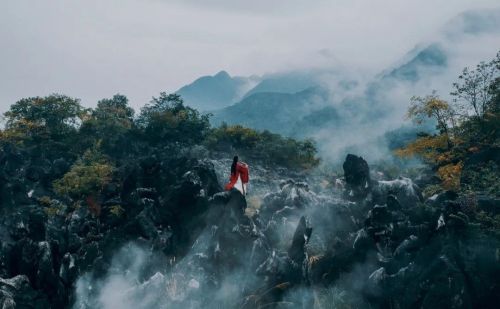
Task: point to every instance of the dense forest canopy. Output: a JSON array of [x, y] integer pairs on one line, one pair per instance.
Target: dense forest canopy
[[60, 126], [92, 144]]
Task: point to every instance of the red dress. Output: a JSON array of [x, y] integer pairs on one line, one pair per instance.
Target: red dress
[[242, 172]]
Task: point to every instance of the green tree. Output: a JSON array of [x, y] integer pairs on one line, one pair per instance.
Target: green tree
[[167, 119], [109, 123], [115, 113], [86, 178], [46, 123], [265, 146], [432, 107], [476, 89]]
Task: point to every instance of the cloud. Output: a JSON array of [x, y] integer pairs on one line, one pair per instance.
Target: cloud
[[255, 6], [93, 49]]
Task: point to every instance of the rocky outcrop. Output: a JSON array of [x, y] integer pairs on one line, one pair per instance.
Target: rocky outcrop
[[357, 177], [403, 189], [17, 292], [191, 245], [48, 241]]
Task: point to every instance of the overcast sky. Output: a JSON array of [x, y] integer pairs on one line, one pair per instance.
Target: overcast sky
[[92, 49]]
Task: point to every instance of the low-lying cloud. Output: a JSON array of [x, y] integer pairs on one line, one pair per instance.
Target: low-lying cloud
[[93, 49]]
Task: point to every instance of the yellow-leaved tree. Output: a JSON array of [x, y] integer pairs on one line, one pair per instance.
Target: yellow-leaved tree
[[86, 178], [435, 149]]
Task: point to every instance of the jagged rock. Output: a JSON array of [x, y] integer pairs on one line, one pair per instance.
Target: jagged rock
[[488, 204], [149, 193], [357, 177], [426, 177], [407, 245], [68, 270], [340, 258], [208, 179], [27, 221], [34, 173], [164, 241], [200, 240], [232, 202], [233, 232], [301, 236], [292, 196], [378, 276], [46, 278], [379, 215], [439, 199], [16, 292], [278, 268], [362, 241], [143, 225], [393, 203], [59, 167], [88, 254], [407, 193]]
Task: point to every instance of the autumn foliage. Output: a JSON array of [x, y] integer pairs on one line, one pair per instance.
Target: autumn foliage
[[466, 126]]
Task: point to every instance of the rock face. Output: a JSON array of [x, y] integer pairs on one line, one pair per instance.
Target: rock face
[[403, 189], [169, 237], [47, 242], [357, 177], [16, 292]]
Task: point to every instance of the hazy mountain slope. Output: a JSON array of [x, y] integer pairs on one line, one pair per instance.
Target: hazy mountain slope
[[327, 116], [277, 112], [474, 22], [340, 122], [290, 82], [359, 110], [431, 57], [214, 92]]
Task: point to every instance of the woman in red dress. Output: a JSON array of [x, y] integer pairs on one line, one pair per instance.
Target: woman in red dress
[[238, 170]]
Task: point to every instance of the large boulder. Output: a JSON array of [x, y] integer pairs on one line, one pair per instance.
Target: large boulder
[[404, 189], [357, 177], [297, 251], [16, 292], [292, 196]]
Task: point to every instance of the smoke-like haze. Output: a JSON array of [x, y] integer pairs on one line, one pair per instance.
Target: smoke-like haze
[[462, 42], [139, 278], [93, 49]]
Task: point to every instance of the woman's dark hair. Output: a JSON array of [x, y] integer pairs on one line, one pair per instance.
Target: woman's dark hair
[[233, 166]]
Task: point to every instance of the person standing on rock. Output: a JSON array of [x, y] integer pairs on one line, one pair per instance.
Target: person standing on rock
[[239, 170]]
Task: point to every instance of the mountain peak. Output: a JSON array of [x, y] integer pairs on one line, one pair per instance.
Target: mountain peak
[[474, 22], [213, 91], [222, 74]]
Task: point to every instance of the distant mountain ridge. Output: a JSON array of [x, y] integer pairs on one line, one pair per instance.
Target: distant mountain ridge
[[273, 111], [291, 82], [209, 93], [214, 92], [306, 104], [431, 57], [304, 113]]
